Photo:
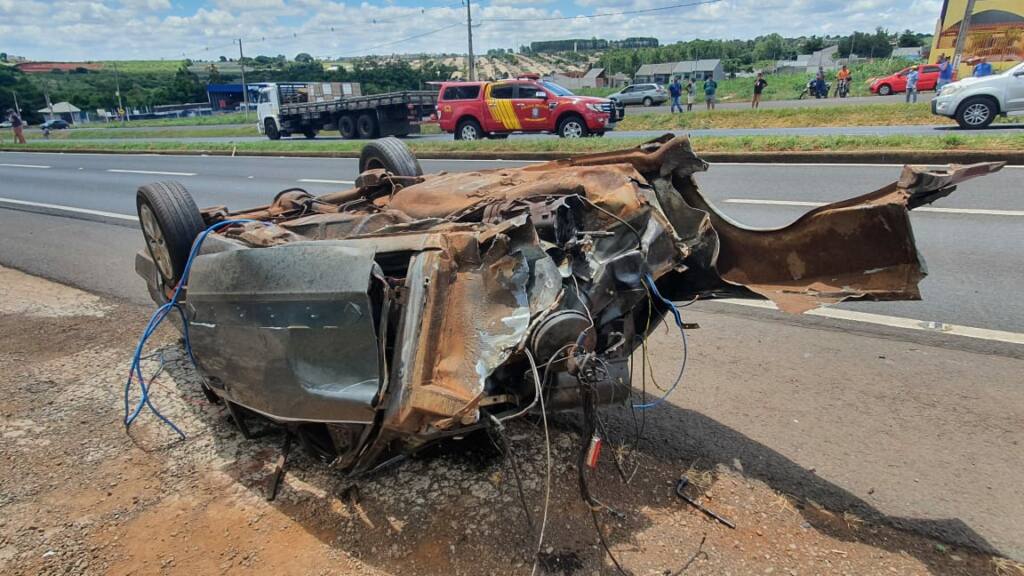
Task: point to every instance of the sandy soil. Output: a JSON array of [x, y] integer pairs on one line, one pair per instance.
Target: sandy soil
[[80, 496]]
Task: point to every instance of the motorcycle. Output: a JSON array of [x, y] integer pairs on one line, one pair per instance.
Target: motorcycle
[[812, 89], [843, 88]]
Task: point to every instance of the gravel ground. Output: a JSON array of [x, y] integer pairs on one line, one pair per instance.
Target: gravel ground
[[79, 496]]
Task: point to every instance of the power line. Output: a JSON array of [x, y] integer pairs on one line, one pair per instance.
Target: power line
[[602, 14], [407, 38]]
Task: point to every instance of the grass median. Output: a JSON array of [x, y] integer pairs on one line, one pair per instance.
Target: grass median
[[948, 142]]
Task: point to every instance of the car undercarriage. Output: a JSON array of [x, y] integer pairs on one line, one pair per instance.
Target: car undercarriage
[[412, 308]]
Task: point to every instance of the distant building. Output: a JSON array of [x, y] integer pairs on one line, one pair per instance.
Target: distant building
[[825, 58], [64, 110], [593, 78], [913, 53], [664, 73]]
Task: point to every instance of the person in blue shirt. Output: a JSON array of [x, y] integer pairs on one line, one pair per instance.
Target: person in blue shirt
[[675, 90], [912, 77], [945, 73], [710, 87], [982, 68]]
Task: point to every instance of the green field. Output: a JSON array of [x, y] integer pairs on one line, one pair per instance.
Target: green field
[[986, 142]]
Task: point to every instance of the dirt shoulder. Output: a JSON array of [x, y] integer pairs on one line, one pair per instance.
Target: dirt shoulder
[[79, 496]]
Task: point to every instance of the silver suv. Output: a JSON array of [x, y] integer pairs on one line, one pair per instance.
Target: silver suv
[[646, 94]]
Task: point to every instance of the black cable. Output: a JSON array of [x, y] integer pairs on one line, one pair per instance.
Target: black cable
[[506, 450]]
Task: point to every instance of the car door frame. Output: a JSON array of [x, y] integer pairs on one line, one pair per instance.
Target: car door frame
[[1013, 92], [934, 77], [499, 114], [534, 114]]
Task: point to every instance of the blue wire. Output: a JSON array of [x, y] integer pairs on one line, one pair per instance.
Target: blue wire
[[135, 372], [679, 322]]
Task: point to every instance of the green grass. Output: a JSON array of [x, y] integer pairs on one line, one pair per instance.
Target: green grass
[[142, 66], [817, 116], [109, 134], [218, 119], [701, 144]]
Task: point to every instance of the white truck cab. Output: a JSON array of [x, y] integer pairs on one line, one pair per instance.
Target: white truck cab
[[268, 106], [975, 102]]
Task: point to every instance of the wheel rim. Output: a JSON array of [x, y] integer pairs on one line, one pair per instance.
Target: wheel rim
[[572, 129], [469, 132], [976, 114], [155, 240]]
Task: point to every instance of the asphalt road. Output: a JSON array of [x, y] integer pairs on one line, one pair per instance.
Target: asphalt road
[[916, 422], [804, 103], [972, 256]]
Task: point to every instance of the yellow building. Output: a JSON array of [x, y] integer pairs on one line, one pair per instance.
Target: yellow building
[[996, 33]]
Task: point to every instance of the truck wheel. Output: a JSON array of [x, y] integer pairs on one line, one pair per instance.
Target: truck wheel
[[468, 129], [170, 223], [572, 127], [392, 155], [366, 126], [270, 129], [347, 127], [884, 90], [309, 133], [977, 112]]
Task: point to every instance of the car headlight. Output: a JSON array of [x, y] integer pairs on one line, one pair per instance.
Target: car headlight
[[950, 89], [595, 107]]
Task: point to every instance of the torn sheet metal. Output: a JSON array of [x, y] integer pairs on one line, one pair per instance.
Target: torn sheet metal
[[398, 312]]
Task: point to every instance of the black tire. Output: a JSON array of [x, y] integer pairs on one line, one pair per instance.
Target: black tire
[[390, 154], [366, 126], [495, 136], [648, 102], [309, 133], [976, 112], [347, 127], [884, 90], [573, 126], [468, 129], [270, 129], [170, 223]]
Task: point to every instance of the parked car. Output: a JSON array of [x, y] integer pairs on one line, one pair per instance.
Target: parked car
[[5, 124], [54, 124], [975, 102], [474, 110], [927, 76], [646, 94]]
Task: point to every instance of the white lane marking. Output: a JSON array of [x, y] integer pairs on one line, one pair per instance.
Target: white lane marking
[[981, 211], [318, 181], [152, 172], [73, 209], [23, 166], [894, 321]]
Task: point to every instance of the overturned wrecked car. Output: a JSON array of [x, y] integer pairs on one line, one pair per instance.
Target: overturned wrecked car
[[412, 308]]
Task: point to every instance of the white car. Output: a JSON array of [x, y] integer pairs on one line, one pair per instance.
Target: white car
[[975, 102]]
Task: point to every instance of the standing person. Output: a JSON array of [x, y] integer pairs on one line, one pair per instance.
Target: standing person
[[691, 91], [675, 90], [982, 68], [912, 85], [17, 126], [759, 85], [710, 87], [945, 73]]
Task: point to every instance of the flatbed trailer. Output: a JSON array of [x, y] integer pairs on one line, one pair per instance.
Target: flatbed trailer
[[283, 112]]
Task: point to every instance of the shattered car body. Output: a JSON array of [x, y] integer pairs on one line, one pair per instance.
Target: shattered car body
[[375, 320]]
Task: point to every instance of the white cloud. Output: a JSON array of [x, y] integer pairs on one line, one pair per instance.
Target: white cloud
[[101, 29]]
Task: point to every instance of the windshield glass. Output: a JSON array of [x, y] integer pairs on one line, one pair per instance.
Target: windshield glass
[[556, 89]]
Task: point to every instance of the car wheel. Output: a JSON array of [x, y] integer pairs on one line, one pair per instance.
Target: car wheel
[[170, 223], [347, 127], [648, 102], [392, 155], [468, 129], [496, 136], [366, 126], [572, 127], [884, 90], [976, 113], [309, 133], [270, 129]]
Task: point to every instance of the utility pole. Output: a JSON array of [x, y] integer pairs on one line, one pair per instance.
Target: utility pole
[[469, 31], [117, 84], [961, 35], [16, 107], [245, 89]]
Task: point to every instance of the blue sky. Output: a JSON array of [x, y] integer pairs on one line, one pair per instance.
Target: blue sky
[[202, 29]]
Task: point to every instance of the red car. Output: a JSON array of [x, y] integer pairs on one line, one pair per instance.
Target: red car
[[474, 110], [927, 76]]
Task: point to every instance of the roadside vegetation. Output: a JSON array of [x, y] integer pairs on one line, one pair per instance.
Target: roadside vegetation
[[983, 142]]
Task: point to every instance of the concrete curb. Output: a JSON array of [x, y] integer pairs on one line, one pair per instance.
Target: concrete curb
[[1011, 157]]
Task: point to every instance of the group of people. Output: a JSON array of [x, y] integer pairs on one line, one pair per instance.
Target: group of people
[[17, 126], [676, 89]]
